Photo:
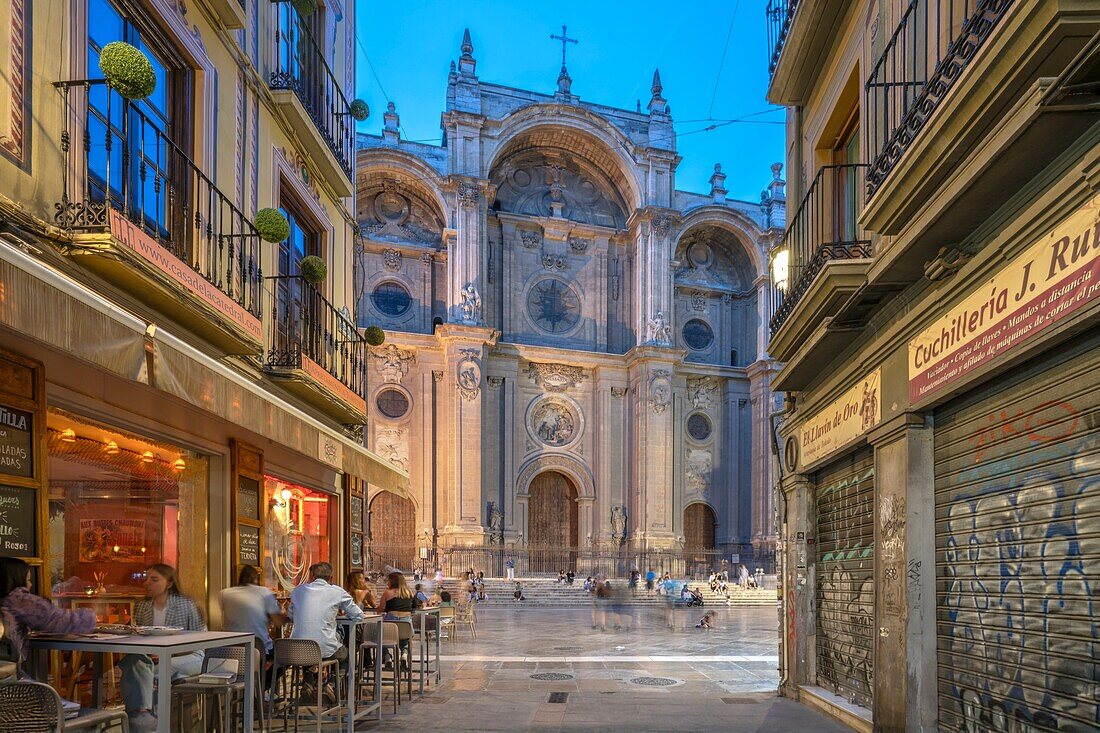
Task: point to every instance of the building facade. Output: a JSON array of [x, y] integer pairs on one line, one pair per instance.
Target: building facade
[[576, 350], [177, 390], [937, 322]]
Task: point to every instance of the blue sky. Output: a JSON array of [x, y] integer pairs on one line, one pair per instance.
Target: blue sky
[[411, 44]]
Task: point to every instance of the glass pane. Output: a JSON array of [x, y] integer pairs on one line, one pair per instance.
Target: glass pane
[[297, 532], [698, 334], [391, 299]]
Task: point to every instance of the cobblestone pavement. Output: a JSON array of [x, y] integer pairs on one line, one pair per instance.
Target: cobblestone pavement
[[549, 670]]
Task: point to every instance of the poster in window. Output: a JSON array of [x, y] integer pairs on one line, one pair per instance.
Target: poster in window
[[112, 540], [356, 550], [16, 442], [18, 522], [248, 545]]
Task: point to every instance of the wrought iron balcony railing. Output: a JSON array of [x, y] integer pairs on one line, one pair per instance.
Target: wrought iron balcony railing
[[305, 324], [127, 164], [779, 14], [931, 46], [824, 228], [300, 67]]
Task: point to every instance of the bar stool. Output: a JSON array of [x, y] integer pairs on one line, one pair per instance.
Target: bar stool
[[232, 691], [390, 641], [296, 656]]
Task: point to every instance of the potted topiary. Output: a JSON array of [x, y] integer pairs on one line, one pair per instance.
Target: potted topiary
[[271, 225], [359, 110], [304, 7], [313, 269], [127, 70], [375, 336]]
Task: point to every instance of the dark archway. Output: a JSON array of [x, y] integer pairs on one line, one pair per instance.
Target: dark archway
[[392, 532], [553, 522], [699, 551]]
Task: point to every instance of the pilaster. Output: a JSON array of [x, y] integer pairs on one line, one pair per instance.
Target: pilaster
[[467, 269], [905, 598], [798, 583], [653, 231]]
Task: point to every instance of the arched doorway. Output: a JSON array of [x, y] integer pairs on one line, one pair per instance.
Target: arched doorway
[[552, 518], [699, 552], [392, 532]]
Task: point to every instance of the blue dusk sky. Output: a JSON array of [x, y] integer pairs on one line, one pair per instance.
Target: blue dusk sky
[[411, 44]]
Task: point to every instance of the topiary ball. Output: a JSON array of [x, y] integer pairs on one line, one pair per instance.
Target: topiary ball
[[359, 110], [304, 7], [375, 336], [271, 225], [127, 70], [313, 269]]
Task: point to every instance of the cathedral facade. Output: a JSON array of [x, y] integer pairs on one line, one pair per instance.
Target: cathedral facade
[[576, 351]]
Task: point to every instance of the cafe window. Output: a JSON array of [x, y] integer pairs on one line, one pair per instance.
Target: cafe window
[[115, 503], [298, 529]]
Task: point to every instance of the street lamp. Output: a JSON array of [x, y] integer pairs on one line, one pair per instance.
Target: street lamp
[[781, 269]]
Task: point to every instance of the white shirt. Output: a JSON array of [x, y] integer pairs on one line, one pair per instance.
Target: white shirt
[[314, 606], [158, 615], [248, 608]]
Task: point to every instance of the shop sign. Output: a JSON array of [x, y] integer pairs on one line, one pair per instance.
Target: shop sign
[[357, 549], [1054, 278], [248, 545], [331, 451], [16, 442], [142, 245], [842, 421], [18, 521]]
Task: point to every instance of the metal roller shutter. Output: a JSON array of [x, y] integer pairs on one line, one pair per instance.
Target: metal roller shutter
[[1018, 548], [845, 592]]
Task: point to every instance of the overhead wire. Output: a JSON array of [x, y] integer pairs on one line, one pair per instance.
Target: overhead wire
[[722, 63]]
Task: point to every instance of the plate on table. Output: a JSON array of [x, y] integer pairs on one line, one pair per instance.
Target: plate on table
[[119, 629], [159, 630]]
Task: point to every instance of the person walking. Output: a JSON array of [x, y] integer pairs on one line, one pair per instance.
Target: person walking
[[511, 566]]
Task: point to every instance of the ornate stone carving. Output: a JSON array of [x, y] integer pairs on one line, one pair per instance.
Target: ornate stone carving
[[662, 224], [471, 304], [697, 469], [469, 374], [658, 331], [389, 211], [426, 259], [555, 377], [554, 422], [495, 382], [393, 362], [468, 194], [618, 524], [529, 239], [392, 444], [391, 258], [555, 262], [619, 391], [537, 184], [437, 376], [701, 392], [698, 301], [660, 390], [579, 245]]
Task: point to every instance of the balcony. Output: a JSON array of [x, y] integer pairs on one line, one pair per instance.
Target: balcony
[[779, 13], [801, 33], [316, 351], [312, 100], [828, 257], [146, 218]]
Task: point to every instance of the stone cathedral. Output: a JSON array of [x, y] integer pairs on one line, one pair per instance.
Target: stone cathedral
[[576, 349]]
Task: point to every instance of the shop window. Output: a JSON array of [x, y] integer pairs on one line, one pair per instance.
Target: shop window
[[298, 529], [115, 501]]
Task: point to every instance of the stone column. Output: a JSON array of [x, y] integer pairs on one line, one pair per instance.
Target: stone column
[[652, 371], [463, 430], [653, 230], [762, 529], [732, 437], [763, 286], [905, 576], [466, 267], [798, 626]]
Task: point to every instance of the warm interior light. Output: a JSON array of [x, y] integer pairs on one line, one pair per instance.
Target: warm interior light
[[68, 435], [117, 548], [286, 494], [147, 456], [110, 447], [780, 272], [179, 464]]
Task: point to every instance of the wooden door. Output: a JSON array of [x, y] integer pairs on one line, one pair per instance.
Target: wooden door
[[392, 532], [553, 521], [699, 524]]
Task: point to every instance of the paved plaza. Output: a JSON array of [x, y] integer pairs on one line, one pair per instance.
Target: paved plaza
[[549, 670]]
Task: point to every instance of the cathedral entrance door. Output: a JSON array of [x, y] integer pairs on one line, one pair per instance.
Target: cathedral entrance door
[[392, 531], [553, 521], [699, 554]]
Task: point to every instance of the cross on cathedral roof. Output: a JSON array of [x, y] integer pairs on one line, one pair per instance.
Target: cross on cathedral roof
[[564, 80]]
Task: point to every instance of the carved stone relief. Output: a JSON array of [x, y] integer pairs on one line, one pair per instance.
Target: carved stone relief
[[658, 331], [554, 422], [393, 362], [392, 444], [529, 239], [579, 245], [702, 392], [389, 211], [555, 377], [660, 390], [555, 263], [698, 467], [469, 374], [534, 184], [391, 258]]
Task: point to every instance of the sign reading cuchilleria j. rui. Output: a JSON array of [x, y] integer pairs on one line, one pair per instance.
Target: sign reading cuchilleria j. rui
[[842, 421], [1049, 281]]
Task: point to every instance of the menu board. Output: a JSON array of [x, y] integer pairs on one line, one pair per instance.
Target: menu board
[[248, 545], [248, 498], [16, 442], [356, 513], [356, 550], [18, 521]]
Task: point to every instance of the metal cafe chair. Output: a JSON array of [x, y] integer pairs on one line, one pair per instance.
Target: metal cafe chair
[[231, 692], [296, 656], [32, 707]]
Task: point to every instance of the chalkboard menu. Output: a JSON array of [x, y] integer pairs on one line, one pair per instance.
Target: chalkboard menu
[[248, 545], [356, 549], [18, 521], [356, 513], [16, 442], [248, 498]]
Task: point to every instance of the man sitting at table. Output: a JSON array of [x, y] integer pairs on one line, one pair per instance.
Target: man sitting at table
[[314, 607]]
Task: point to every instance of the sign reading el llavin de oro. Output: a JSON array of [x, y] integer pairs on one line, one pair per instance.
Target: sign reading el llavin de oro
[[842, 421], [1049, 281]]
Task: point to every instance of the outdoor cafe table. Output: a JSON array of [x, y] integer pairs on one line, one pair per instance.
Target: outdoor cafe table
[[425, 667], [350, 628], [161, 647]]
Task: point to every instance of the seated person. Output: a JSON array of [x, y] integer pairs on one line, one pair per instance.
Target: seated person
[[314, 607], [420, 595], [445, 599], [517, 594], [569, 576], [751, 582], [397, 603], [22, 611], [706, 621], [561, 576], [165, 605], [249, 606]]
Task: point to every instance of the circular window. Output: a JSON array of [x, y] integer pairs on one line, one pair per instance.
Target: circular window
[[553, 306], [392, 403], [698, 334], [391, 299], [699, 426]]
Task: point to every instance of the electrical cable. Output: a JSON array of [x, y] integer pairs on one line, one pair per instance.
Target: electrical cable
[[722, 63]]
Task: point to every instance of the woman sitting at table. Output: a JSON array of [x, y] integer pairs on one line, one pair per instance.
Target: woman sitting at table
[[356, 586], [23, 611], [164, 605], [397, 603]]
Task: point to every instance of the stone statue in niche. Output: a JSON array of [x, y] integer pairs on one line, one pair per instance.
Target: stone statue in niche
[[554, 423], [660, 390], [471, 304], [618, 524], [660, 333]]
